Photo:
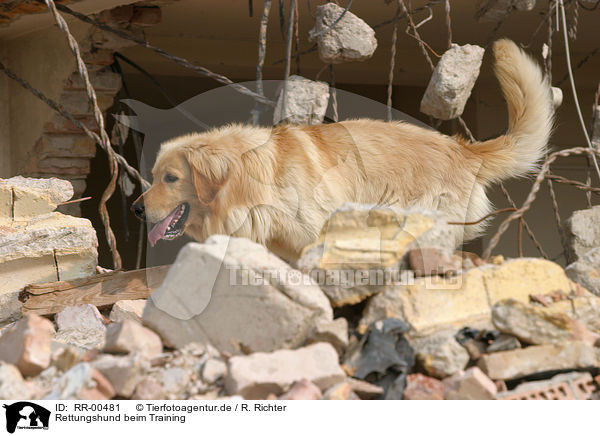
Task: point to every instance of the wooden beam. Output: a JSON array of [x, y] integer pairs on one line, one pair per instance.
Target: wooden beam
[[101, 290]]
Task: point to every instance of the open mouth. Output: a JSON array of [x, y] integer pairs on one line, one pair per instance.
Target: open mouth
[[172, 226]]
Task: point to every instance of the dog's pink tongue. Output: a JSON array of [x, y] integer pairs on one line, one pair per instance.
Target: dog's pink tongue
[[159, 229]]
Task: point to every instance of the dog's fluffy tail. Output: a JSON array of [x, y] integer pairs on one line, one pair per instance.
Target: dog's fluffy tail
[[530, 116]]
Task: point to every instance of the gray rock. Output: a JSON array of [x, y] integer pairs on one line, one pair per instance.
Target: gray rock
[[129, 336], [583, 228], [351, 39], [123, 372], [586, 271], [452, 81], [81, 326], [440, 354], [257, 375], [228, 292], [305, 101], [82, 382]]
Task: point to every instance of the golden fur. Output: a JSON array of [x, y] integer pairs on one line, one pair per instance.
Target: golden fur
[[278, 186]]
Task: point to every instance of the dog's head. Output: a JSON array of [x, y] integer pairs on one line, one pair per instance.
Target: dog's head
[[195, 178]]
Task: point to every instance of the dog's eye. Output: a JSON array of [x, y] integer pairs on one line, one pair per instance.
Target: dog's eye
[[170, 178]]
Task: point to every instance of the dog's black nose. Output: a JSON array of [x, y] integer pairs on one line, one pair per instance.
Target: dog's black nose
[[139, 210]]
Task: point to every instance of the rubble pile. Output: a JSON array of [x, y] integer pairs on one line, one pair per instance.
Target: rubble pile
[[380, 307]]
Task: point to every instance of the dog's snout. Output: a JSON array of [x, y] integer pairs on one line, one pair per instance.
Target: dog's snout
[[139, 210]]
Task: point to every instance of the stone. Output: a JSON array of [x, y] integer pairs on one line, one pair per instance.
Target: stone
[[433, 303], [129, 336], [341, 391], [148, 389], [440, 354], [46, 248], [334, 332], [557, 96], [305, 101], [471, 384], [33, 197], [81, 325], [123, 372], [228, 292], [421, 387], [27, 344], [433, 261], [506, 365], [351, 39], [10, 307], [503, 343], [493, 10], [127, 309], [64, 357], [12, 385], [303, 390], [256, 375], [452, 82], [213, 370], [361, 246], [537, 325], [583, 230], [175, 381], [586, 271], [82, 382], [570, 386], [475, 348], [365, 390]]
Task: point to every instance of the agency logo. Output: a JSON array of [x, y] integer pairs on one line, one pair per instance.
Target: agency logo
[[24, 415]]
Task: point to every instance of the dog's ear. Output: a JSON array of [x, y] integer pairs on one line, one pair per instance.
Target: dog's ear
[[208, 177]]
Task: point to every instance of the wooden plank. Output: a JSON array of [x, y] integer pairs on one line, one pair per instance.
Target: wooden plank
[[100, 290]]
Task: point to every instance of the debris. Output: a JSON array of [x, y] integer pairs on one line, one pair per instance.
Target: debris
[[303, 390], [365, 390], [421, 387], [504, 343], [305, 101], [507, 365], [81, 325], [570, 386], [383, 357], [471, 384], [12, 385], [27, 344], [452, 81], [433, 261], [32, 197], [148, 389], [586, 271], [257, 375], [101, 290], [123, 372], [213, 370], [82, 382], [341, 391], [440, 354], [334, 332], [251, 291], [129, 336], [430, 304], [351, 39], [127, 309], [583, 229]]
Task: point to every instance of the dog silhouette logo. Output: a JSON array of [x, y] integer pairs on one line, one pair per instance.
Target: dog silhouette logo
[[26, 415]]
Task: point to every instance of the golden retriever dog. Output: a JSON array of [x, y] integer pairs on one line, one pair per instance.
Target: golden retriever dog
[[278, 186]]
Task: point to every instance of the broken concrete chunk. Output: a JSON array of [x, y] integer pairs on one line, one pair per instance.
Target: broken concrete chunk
[[506, 365], [440, 354], [81, 325], [421, 387], [303, 390], [583, 228], [431, 303], [82, 382], [433, 261], [12, 385], [32, 197], [129, 336], [334, 332], [27, 344], [471, 384], [257, 375], [351, 39], [123, 372], [365, 390], [570, 386], [149, 388], [452, 81], [341, 391], [305, 101], [127, 309], [228, 292], [213, 370], [586, 271]]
